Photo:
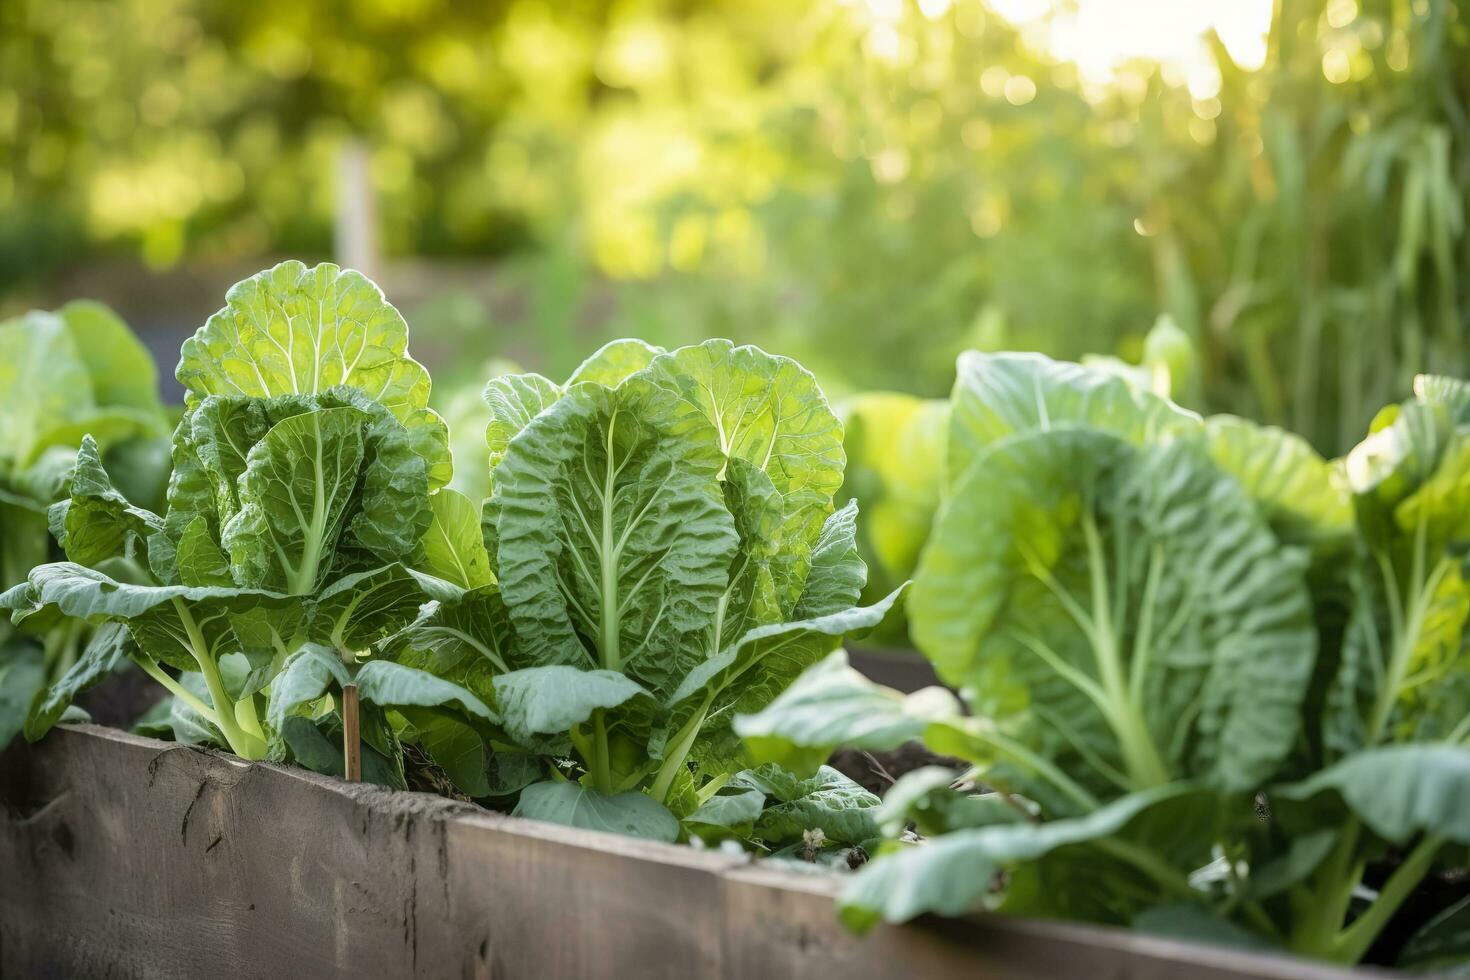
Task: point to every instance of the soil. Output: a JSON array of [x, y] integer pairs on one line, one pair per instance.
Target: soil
[[121, 699], [876, 771]]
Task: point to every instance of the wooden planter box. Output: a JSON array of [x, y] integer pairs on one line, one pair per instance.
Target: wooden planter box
[[128, 857]]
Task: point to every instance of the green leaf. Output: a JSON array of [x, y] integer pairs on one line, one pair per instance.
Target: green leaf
[[294, 330], [97, 522], [1400, 790], [306, 676], [1442, 942], [926, 798], [1304, 854], [450, 636], [838, 574], [454, 549], [727, 815], [613, 362], [317, 745], [1124, 611], [951, 874], [998, 395], [357, 610], [391, 685], [109, 647], [895, 448], [550, 700], [769, 411], [456, 748], [610, 526], [514, 400], [294, 495], [22, 679], [827, 801], [832, 704], [1304, 497], [574, 805], [120, 368]]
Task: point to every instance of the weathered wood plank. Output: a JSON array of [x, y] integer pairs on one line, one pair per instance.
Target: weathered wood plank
[[127, 857]]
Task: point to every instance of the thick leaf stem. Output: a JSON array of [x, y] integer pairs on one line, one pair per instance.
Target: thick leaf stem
[[150, 667], [600, 762], [242, 743], [676, 753], [1354, 941]]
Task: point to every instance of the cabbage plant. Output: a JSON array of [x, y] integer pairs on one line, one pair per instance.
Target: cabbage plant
[[299, 520], [665, 553], [1209, 680], [78, 370]]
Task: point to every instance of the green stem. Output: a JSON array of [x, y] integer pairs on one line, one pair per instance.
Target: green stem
[[1327, 904], [151, 668], [242, 743], [1021, 754], [1353, 942], [677, 752], [600, 768], [611, 623]]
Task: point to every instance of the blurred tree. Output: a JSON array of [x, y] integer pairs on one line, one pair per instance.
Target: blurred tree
[[870, 186]]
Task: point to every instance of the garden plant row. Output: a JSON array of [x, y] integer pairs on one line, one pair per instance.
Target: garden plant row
[[1205, 683]]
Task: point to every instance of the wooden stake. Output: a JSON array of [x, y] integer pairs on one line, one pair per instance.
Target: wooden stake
[[351, 735]]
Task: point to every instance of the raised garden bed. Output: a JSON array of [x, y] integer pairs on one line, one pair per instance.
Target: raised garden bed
[[130, 857]]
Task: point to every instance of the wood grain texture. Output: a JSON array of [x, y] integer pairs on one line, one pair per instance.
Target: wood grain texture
[[126, 857]]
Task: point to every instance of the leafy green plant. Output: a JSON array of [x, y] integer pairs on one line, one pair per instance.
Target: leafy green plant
[[665, 552], [1210, 679], [298, 514], [62, 374]]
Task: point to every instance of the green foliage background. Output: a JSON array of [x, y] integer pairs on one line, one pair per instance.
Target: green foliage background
[[764, 171]]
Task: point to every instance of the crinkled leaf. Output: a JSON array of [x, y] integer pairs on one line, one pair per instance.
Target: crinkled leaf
[[22, 678], [610, 526], [828, 801], [98, 522], [294, 330], [358, 610], [514, 400], [1125, 608]]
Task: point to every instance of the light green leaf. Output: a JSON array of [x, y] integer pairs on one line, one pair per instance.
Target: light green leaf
[[827, 801], [1400, 790], [454, 549], [926, 798], [837, 574], [449, 637], [1124, 610], [769, 411], [119, 366], [832, 704], [514, 400], [574, 805], [1304, 497], [455, 747], [307, 675], [997, 395], [727, 815], [294, 330], [895, 446], [613, 362]]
